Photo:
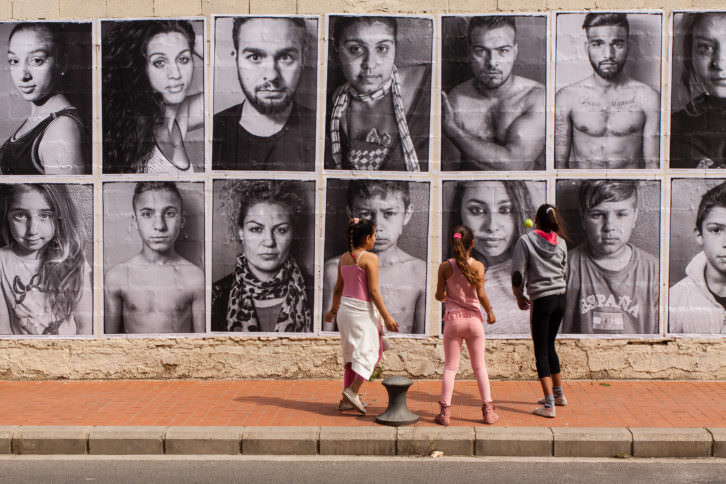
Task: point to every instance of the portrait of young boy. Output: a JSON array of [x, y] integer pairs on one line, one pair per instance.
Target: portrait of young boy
[[402, 277], [612, 284], [156, 290], [697, 302]]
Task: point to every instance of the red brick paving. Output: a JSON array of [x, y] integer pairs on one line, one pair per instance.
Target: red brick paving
[[314, 402]]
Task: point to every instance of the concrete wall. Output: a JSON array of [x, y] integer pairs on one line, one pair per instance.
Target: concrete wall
[[319, 357]]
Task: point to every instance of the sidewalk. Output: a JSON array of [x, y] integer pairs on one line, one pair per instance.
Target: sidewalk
[[614, 405]]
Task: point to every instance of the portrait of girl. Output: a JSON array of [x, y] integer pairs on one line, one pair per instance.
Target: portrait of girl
[[263, 232], [379, 93], [495, 211], [153, 96], [47, 123], [44, 274]]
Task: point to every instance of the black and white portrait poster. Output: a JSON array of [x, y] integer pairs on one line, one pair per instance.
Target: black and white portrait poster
[[263, 255], [613, 275], [152, 96], [698, 93], [400, 211], [493, 77], [265, 93], [153, 257], [46, 259], [495, 211], [47, 101], [697, 296], [378, 93], [608, 82]]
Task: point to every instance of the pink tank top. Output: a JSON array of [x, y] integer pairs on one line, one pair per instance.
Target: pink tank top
[[355, 281], [460, 295]]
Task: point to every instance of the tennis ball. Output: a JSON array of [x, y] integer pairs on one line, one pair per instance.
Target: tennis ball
[[528, 223]]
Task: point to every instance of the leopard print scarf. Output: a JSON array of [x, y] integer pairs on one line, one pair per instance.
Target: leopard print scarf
[[295, 314]]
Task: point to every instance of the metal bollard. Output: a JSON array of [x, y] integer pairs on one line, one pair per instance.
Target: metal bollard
[[397, 413]]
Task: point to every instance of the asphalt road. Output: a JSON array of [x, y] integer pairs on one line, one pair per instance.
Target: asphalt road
[[200, 469]]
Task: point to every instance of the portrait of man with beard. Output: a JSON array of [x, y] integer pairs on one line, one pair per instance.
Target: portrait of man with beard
[[609, 119], [495, 119], [270, 129]]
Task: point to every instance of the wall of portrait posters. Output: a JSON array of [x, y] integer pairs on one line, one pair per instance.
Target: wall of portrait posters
[[195, 175]]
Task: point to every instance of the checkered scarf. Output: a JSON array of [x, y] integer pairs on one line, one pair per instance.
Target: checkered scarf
[[342, 101]]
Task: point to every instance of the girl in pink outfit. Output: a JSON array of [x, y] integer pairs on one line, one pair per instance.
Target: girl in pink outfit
[[461, 286], [357, 303]]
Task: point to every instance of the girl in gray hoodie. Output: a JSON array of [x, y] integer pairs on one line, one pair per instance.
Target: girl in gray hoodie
[[539, 263]]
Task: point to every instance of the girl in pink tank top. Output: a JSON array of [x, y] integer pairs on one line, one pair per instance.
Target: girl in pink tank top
[[461, 287], [356, 306]]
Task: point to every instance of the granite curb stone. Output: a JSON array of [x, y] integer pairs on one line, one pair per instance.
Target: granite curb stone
[[6, 438], [51, 440], [591, 442], [281, 440], [719, 441], [513, 441], [358, 441], [132, 440], [671, 442], [204, 440], [425, 440]]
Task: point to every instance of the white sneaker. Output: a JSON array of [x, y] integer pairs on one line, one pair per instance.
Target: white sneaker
[[346, 405], [353, 399]]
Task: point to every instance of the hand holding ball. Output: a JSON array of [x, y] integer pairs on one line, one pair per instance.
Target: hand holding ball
[[528, 223]]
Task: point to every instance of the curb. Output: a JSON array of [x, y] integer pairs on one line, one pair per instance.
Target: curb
[[389, 441]]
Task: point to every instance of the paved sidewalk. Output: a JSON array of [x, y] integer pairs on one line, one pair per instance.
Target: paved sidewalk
[[314, 403]]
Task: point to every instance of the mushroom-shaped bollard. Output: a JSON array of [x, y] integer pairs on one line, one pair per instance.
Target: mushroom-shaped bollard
[[397, 413]]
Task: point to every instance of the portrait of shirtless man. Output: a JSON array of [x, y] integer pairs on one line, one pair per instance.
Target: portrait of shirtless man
[[607, 120], [496, 119], [157, 290]]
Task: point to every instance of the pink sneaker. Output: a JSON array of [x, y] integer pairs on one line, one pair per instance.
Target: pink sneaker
[[490, 416], [444, 417]]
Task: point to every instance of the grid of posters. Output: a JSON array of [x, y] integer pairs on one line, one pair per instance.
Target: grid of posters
[[195, 175]]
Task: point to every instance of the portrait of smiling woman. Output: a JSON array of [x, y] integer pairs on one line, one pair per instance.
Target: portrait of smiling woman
[[153, 96], [379, 93], [263, 231], [495, 211], [49, 65]]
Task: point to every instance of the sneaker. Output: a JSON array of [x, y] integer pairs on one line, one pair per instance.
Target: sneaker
[[353, 399], [545, 412], [487, 411], [346, 405], [559, 401], [443, 418]]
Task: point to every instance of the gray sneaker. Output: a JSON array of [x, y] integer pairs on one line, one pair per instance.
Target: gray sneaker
[[559, 401], [545, 412]]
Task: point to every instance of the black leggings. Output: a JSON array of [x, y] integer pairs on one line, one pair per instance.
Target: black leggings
[[547, 313]]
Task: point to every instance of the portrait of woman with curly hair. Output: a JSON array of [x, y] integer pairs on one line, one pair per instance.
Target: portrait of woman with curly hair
[[152, 96]]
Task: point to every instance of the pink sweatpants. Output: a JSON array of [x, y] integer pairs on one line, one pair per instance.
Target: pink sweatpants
[[456, 330], [349, 375]]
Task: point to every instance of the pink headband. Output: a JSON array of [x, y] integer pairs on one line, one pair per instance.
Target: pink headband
[[457, 235]]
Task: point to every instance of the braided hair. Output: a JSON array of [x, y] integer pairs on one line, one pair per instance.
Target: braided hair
[[462, 239], [358, 230]]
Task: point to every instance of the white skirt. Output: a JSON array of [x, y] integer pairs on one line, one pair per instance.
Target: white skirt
[[358, 323]]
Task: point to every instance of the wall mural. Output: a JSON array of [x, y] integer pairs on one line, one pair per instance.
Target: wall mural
[[153, 187]]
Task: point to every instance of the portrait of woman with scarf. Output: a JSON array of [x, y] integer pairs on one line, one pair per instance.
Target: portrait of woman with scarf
[[379, 117], [267, 292]]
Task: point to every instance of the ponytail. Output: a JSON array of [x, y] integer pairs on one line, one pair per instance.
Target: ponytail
[[461, 241], [548, 220], [358, 230]]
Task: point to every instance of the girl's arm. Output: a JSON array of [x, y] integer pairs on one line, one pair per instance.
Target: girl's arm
[[371, 266], [519, 269], [444, 273], [83, 313], [60, 149], [337, 294], [4, 316], [481, 293]]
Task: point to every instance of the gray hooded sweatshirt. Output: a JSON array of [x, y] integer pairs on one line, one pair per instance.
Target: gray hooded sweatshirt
[[543, 265]]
